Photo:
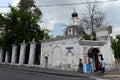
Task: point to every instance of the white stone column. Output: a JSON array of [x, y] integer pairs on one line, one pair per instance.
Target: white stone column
[[32, 52], [1, 55], [6, 57], [14, 49], [22, 53]]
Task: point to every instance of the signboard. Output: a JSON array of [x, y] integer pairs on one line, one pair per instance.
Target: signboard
[[69, 48]]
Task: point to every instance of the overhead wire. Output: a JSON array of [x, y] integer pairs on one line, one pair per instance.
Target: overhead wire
[[68, 4], [50, 5]]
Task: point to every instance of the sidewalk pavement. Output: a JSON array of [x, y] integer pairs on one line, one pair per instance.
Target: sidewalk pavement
[[112, 74], [37, 69]]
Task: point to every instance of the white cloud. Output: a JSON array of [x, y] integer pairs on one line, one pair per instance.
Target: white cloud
[[115, 31], [15, 2], [51, 25], [4, 10], [12, 2]]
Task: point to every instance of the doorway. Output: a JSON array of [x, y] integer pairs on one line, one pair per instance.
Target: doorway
[[46, 62], [94, 53]]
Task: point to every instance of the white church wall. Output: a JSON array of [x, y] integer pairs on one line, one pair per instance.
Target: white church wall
[[76, 53], [108, 54], [103, 33], [62, 54], [45, 53], [57, 57], [100, 33], [71, 54]]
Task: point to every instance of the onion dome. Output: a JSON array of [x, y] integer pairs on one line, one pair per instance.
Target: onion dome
[[74, 14]]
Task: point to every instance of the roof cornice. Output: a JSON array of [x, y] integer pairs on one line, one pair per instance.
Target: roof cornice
[[89, 42]]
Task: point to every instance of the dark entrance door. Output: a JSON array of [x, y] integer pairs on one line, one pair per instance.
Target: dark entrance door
[[46, 62], [93, 52], [97, 62]]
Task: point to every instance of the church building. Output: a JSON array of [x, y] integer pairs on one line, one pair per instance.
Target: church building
[[63, 53]]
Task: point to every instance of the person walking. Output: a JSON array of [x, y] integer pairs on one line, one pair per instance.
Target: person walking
[[80, 66], [102, 66], [91, 64]]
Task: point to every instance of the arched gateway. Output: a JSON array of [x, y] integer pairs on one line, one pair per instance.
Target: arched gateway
[[94, 53]]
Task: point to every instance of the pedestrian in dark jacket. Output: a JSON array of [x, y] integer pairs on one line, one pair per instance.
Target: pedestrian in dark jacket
[[80, 66], [102, 66]]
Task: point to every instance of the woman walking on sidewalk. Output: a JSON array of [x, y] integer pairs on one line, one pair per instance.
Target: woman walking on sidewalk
[[102, 66]]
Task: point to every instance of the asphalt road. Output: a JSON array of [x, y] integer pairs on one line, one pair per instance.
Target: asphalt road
[[13, 74]]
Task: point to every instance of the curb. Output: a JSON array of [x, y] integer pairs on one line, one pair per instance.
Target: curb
[[112, 76]]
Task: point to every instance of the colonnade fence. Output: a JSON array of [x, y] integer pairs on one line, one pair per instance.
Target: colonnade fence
[[22, 54]]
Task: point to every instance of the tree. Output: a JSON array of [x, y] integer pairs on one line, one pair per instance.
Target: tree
[[116, 46], [21, 23], [86, 36], [93, 18]]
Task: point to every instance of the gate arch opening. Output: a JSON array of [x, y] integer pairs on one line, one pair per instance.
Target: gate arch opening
[[94, 54]]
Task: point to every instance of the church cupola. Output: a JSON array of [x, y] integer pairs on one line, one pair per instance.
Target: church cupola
[[74, 14], [75, 18]]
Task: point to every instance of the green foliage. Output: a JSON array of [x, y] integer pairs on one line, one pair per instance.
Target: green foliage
[[116, 46], [87, 36], [21, 23]]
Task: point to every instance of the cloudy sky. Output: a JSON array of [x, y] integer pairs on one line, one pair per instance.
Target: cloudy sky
[[56, 18]]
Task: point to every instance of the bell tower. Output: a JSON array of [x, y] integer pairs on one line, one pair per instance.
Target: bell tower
[[75, 18], [75, 28]]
